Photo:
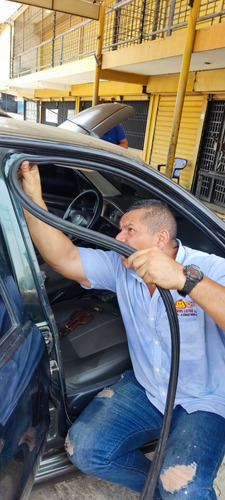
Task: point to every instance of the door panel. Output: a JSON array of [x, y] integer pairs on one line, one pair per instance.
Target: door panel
[[24, 375]]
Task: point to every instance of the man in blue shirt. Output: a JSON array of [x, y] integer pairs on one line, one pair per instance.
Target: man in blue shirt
[[116, 136], [105, 439]]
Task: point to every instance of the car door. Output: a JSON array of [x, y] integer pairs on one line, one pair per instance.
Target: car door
[[24, 376]]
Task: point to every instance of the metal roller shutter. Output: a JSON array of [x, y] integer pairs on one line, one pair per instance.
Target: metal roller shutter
[[187, 134]]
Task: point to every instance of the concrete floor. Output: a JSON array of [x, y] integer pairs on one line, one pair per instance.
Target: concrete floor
[[78, 486]]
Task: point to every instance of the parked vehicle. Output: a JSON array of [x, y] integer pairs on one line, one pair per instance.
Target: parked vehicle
[[61, 344]]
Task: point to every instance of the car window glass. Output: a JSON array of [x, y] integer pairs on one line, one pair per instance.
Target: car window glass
[[67, 182], [8, 320], [10, 301], [3, 251], [127, 186], [62, 181]]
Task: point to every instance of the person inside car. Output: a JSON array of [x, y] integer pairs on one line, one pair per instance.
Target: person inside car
[[105, 439]]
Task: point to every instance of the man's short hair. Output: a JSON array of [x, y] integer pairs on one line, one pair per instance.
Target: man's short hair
[[157, 216]]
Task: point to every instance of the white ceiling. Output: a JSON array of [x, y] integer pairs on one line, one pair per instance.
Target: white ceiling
[[81, 72], [210, 59]]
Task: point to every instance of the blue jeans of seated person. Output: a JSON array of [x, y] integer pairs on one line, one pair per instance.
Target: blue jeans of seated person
[[104, 441]]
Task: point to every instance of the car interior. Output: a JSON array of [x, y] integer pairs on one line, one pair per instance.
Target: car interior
[[94, 352], [92, 336]]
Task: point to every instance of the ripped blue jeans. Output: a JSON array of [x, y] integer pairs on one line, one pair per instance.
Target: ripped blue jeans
[[105, 439]]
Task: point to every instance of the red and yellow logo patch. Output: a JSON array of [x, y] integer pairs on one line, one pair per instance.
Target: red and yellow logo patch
[[185, 307]]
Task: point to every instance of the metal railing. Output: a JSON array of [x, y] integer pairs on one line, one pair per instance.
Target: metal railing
[[127, 23]]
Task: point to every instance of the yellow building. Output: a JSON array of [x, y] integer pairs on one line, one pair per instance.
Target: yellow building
[[56, 56]]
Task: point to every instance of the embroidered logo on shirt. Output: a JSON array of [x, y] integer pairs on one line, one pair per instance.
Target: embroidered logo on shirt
[[185, 307]]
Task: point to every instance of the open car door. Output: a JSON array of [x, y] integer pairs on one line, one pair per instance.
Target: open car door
[[24, 375]]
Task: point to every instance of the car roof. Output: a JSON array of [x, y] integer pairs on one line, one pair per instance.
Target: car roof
[[21, 130]]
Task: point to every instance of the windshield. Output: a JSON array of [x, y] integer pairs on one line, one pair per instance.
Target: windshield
[[126, 187]]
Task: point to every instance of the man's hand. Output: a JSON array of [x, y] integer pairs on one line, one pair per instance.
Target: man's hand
[[124, 143], [29, 178], [155, 267]]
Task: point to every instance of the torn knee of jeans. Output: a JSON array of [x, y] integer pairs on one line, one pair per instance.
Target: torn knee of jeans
[[106, 393], [177, 477], [68, 446]]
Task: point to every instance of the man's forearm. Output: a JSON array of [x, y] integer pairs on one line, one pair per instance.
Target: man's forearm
[[52, 244], [210, 296]]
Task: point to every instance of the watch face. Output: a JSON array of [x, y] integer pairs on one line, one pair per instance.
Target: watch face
[[193, 275], [193, 272]]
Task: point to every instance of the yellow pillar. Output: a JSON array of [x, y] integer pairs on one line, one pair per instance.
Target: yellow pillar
[[150, 127], [98, 56], [77, 105], [189, 42]]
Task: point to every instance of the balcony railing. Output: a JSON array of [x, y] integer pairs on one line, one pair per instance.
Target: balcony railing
[[129, 22]]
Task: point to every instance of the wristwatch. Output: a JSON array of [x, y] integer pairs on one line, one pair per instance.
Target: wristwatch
[[193, 275]]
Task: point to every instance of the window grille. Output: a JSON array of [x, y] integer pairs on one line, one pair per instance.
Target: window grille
[[44, 40]]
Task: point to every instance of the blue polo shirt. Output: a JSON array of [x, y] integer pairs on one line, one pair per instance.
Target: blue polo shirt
[[201, 379], [115, 135]]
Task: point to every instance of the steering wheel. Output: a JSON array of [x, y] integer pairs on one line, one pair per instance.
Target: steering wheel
[[85, 209]]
